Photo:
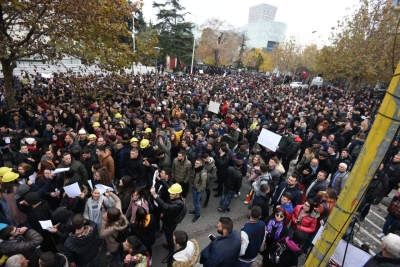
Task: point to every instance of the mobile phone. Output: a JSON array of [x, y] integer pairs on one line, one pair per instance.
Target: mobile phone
[[211, 237]]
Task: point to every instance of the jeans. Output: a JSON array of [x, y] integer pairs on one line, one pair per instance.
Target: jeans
[[243, 264], [93, 263], [390, 219], [169, 236], [117, 255], [196, 201], [5, 208], [226, 199], [185, 189]]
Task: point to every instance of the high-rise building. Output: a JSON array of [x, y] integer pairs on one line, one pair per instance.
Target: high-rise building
[[262, 30], [262, 12]]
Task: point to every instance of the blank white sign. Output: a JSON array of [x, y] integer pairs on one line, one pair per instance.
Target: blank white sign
[[269, 139], [213, 107]]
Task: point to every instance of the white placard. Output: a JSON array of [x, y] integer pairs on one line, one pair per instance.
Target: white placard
[[269, 139], [72, 190], [213, 107], [355, 257], [102, 188], [46, 225], [155, 177], [59, 170], [201, 71], [33, 177], [46, 75], [7, 140], [90, 184]]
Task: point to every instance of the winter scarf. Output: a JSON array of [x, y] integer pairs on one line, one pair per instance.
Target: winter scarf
[[279, 225]]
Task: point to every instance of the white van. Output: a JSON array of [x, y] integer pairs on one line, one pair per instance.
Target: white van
[[318, 81]]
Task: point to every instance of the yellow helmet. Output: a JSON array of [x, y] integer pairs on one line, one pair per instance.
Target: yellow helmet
[[92, 136], [9, 177], [148, 130], [118, 116], [175, 189], [4, 170], [134, 139], [144, 143], [96, 124]]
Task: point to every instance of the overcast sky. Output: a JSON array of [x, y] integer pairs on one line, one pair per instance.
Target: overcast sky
[[302, 17]]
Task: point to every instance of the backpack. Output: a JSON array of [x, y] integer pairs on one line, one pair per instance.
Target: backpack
[[277, 250], [183, 211], [208, 177], [123, 234], [356, 150]]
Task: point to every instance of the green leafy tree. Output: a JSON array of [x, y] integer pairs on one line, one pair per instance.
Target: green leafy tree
[[50, 30], [362, 45], [239, 61], [175, 35]]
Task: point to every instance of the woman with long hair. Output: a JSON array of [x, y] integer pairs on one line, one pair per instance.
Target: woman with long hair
[[7, 194], [126, 189], [304, 218], [139, 199], [307, 157], [113, 222], [24, 170], [101, 176], [58, 141], [97, 205], [256, 162], [145, 228], [174, 146], [275, 230]]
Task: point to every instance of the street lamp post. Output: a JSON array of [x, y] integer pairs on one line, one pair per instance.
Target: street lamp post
[[155, 70], [194, 42], [133, 39]]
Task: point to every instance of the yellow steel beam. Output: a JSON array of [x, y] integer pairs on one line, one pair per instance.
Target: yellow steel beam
[[382, 133]]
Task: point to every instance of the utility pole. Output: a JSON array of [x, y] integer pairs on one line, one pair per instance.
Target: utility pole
[[384, 129]]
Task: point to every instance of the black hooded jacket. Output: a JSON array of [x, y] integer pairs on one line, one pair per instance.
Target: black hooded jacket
[[64, 218]]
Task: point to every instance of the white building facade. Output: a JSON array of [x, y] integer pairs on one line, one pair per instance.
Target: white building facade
[[262, 30]]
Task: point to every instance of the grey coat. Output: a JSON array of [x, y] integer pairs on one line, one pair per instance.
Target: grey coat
[[339, 182], [109, 202]]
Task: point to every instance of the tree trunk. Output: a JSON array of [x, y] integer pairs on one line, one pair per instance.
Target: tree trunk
[[216, 58], [8, 68]]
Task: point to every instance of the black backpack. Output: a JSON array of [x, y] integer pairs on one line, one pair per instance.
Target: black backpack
[[356, 150], [123, 235], [183, 211]]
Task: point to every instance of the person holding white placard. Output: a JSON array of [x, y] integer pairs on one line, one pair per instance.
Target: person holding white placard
[[40, 212], [75, 204]]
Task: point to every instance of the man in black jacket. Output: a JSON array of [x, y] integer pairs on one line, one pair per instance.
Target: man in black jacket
[[170, 212], [317, 185], [290, 186], [40, 212], [222, 163], [135, 167], [163, 183], [81, 246], [393, 174], [20, 241], [232, 183]]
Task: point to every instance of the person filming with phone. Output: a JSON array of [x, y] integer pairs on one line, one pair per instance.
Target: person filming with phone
[[223, 250]]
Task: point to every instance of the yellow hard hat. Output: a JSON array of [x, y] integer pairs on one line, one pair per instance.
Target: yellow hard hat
[[10, 176], [134, 139], [96, 124], [4, 170], [175, 189], [92, 136], [118, 116], [144, 143], [148, 130]]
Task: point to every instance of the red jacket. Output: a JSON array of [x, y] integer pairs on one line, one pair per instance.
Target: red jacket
[[308, 223]]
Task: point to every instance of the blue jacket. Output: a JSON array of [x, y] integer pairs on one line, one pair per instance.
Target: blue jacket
[[222, 252], [295, 192]]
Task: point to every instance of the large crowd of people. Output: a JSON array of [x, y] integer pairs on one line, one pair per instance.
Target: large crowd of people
[[133, 148]]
